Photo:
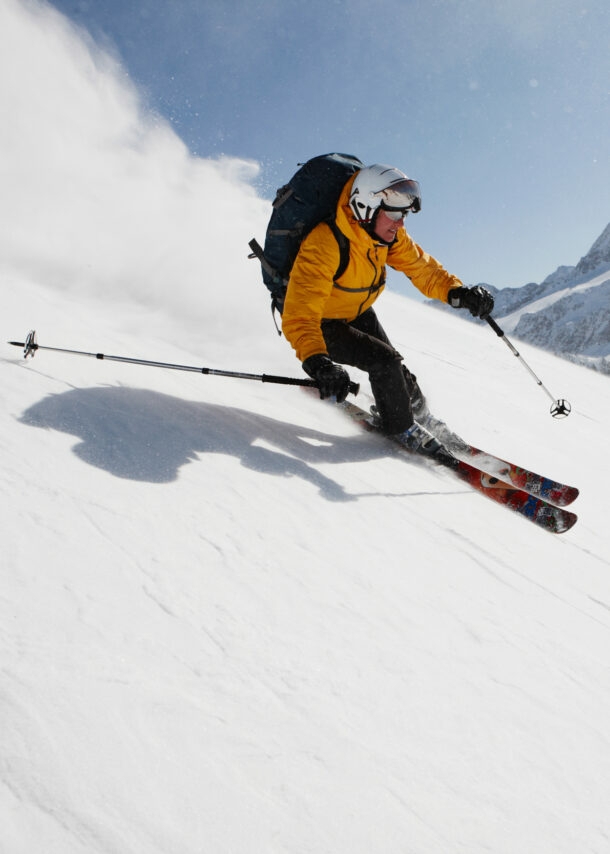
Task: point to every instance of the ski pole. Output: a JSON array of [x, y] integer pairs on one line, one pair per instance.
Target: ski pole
[[560, 408], [30, 346]]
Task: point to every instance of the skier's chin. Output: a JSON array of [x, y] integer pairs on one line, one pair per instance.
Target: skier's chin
[[387, 238]]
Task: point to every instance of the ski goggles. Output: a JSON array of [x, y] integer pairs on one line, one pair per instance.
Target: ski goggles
[[396, 216], [401, 198]]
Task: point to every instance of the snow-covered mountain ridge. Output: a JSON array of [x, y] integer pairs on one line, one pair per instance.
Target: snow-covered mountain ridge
[[569, 312]]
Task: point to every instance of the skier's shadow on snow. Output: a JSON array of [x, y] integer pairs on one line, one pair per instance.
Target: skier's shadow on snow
[[143, 435]]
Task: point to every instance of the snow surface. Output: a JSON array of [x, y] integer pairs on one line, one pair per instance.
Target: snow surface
[[233, 622], [230, 621]]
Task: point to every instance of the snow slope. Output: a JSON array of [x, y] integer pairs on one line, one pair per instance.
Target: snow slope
[[229, 621]]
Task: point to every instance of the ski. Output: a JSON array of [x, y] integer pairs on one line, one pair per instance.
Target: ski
[[536, 509], [550, 490]]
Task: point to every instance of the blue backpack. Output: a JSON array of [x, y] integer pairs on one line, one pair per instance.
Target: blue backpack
[[309, 197]]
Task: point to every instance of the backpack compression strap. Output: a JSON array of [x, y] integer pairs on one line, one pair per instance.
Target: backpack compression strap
[[277, 296], [342, 240], [257, 252]]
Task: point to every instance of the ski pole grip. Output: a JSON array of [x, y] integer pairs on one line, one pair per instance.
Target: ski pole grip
[[499, 332], [354, 388]]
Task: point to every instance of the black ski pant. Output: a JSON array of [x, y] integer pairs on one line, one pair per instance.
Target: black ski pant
[[363, 343]]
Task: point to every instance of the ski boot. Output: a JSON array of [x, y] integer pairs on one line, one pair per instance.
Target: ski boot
[[421, 441]]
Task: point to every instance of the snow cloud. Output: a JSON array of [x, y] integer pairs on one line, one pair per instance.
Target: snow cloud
[[102, 195]]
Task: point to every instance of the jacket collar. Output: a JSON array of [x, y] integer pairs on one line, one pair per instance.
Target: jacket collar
[[345, 218]]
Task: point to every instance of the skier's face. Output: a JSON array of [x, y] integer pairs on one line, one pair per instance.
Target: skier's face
[[386, 225]]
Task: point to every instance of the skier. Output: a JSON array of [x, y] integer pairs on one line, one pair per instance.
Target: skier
[[331, 323]]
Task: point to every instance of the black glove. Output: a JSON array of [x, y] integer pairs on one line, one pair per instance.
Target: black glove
[[477, 300], [332, 379]]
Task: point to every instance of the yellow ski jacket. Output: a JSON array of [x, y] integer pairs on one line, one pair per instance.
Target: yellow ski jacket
[[313, 294]]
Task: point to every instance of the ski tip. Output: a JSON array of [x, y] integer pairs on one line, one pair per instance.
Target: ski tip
[[562, 496], [563, 522]]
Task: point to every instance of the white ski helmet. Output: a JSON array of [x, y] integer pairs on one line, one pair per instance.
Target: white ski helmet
[[381, 186]]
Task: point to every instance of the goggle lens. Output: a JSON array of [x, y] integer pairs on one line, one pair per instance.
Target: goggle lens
[[394, 215]]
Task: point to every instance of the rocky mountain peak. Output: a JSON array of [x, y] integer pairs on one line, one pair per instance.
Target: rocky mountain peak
[[598, 255]]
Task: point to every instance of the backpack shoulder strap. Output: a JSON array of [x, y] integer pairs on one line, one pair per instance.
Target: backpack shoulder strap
[[343, 242]]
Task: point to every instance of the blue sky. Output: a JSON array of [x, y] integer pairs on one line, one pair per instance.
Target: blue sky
[[500, 109]]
